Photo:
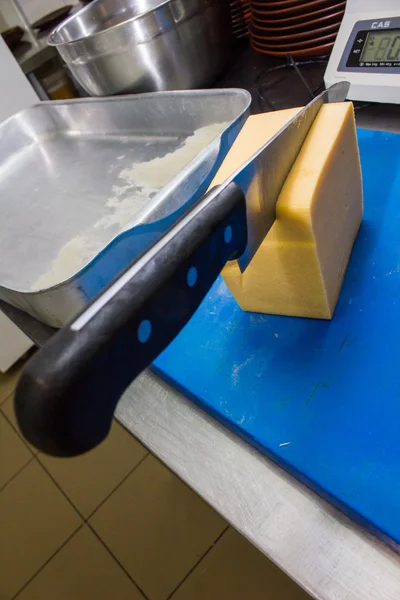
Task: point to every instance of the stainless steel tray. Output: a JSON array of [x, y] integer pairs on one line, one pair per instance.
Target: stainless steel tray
[[87, 185]]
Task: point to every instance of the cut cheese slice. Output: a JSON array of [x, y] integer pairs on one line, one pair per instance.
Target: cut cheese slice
[[256, 131], [299, 268]]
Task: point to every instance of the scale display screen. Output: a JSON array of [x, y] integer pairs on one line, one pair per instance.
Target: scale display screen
[[372, 49], [382, 46], [367, 51]]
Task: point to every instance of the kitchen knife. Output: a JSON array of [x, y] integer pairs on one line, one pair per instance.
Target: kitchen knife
[[67, 393]]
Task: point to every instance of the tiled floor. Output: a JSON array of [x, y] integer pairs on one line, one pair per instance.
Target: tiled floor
[[117, 524]]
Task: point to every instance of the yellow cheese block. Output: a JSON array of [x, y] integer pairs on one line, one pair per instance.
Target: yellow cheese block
[[298, 270]]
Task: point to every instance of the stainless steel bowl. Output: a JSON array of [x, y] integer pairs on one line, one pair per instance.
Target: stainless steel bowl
[[121, 46]]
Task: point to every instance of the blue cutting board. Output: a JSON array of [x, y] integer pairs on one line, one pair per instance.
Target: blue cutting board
[[321, 398]]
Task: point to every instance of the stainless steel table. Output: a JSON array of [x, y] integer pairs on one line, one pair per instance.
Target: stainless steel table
[[326, 553], [32, 56], [34, 51]]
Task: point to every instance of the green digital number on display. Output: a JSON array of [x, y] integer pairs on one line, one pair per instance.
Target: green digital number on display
[[382, 47]]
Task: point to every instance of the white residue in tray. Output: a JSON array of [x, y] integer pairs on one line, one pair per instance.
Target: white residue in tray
[[136, 185], [71, 258], [157, 172]]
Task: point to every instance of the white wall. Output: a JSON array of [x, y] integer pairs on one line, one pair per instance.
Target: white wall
[[16, 91], [34, 9], [3, 23]]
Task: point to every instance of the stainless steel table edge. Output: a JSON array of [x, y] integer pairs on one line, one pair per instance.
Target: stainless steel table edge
[[326, 553]]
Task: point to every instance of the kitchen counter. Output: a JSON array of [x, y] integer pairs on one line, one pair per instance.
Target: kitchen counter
[[34, 51], [31, 56], [325, 552]]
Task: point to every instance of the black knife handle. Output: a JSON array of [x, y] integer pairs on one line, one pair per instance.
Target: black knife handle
[[67, 393]]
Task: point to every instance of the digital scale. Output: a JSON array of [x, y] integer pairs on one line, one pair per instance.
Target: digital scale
[[367, 51]]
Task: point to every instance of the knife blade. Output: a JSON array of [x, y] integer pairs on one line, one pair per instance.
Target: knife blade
[[67, 393], [262, 177]]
